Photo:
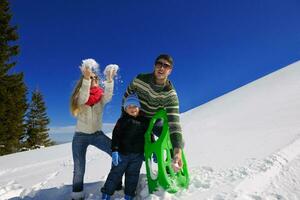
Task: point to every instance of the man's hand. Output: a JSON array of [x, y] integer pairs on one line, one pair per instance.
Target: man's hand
[[177, 160]]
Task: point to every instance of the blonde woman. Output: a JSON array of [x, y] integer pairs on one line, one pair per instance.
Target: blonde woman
[[87, 103]]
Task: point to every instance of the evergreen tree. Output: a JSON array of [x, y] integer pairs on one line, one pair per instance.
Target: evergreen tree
[[36, 122], [12, 88]]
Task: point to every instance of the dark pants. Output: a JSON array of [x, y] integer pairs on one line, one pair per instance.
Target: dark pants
[[130, 165], [157, 128], [79, 146]]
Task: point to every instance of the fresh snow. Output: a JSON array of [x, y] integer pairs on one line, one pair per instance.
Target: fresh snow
[[244, 145], [91, 64], [111, 67]]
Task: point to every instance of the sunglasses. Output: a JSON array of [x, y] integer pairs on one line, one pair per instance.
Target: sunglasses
[[94, 77], [161, 64]]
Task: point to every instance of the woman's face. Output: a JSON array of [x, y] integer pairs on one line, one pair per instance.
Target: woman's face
[[94, 79]]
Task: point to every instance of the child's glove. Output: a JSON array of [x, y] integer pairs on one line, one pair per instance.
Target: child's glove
[[116, 159]]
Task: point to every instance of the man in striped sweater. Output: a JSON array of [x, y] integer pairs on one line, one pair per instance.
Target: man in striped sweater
[[155, 91]]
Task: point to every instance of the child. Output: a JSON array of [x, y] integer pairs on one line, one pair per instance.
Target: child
[[127, 149], [87, 103]]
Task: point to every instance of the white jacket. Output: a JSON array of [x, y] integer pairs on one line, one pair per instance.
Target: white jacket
[[89, 119]]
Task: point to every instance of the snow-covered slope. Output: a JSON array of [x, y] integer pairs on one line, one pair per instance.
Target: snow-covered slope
[[252, 121], [243, 145]]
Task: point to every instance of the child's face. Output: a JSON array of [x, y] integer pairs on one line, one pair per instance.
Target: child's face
[[132, 110]]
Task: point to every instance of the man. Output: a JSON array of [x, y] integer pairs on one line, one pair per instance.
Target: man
[[155, 91]]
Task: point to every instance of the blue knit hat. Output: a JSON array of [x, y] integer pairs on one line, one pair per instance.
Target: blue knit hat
[[132, 99]]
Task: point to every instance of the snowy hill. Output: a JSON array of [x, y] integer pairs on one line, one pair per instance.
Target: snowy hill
[[243, 145]]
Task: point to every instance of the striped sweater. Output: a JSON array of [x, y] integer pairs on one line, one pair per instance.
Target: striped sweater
[[153, 97]]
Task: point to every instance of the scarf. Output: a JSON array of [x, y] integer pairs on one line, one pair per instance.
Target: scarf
[[96, 94]]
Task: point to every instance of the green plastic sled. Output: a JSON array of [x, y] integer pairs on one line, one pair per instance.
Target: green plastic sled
[[164, 175]]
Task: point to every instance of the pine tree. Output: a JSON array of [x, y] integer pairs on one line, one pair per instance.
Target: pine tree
[[36, 123], [12, 88]]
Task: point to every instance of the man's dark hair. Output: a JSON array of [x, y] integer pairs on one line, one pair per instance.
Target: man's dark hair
[[165, 57]]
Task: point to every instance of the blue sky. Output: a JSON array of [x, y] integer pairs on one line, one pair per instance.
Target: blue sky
[[217, 46]]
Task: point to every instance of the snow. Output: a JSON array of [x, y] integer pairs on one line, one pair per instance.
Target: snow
[[94, 66], [244, 145], [111, 67], [91, 64]]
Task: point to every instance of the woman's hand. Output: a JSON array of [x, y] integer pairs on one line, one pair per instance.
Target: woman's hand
[[110, 74], [86, 72]]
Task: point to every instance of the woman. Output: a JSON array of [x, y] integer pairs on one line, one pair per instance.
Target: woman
[[87, 103]]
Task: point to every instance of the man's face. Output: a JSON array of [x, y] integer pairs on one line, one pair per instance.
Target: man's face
[[162, 69]]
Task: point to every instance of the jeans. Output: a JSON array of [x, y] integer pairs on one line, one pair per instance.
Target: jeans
[[79, 146], [130, 165]]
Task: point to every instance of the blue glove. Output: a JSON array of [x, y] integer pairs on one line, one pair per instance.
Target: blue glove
[[116, 159]]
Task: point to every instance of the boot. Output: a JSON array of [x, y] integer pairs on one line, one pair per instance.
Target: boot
[[127, 197], [105, 196], [77, 195]]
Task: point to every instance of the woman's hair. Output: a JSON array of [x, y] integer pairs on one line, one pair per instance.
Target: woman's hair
[[74, 107]]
